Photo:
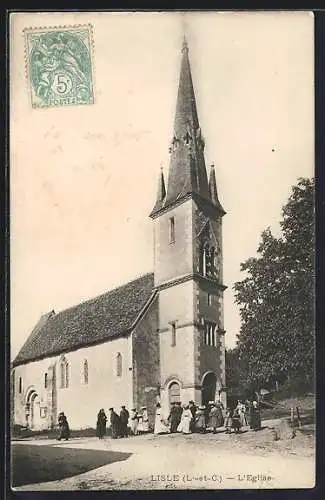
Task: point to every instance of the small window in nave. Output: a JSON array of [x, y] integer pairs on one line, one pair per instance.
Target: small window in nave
[[64, 374], [119, 364], [173, 340], [45, 381], [171, 230], [20, 385], [85, 372]]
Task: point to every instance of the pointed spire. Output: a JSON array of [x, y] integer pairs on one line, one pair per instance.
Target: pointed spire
[[213, 189], [213, 185], [161, 191], [185, 44], [187, 172]]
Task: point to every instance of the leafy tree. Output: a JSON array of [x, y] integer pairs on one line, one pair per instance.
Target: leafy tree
[[236, 373], [276, 298]]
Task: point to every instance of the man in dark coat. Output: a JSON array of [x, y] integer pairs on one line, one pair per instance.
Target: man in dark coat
[[179, 411], [173, 418], [101, 424], [124, 419], [115, 423], [193, 411], [64, 430], [255, 416]]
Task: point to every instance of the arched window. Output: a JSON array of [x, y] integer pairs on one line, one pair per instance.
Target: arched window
[[171, 230], [174, 393], [64, 373], [119, 364], [45, 380], [210, 334], [85, 372], [20, 385], [67, 374], [212, 260]]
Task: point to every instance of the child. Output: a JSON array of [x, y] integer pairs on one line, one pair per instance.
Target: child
[[228, 421]]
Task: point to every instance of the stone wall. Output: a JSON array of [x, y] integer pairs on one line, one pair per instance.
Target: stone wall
[[79, 401], [174, 259], [146, 361]]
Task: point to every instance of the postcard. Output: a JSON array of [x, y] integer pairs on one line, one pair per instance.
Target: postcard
[[162, 250]]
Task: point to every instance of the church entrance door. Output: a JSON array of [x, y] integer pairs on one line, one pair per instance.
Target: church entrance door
[[174, 393], [35, 418], [208, 388]]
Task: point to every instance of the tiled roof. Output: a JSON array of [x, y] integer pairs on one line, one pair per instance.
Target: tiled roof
[[105, 317]]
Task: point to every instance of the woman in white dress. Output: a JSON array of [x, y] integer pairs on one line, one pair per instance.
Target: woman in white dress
[[185, 423], [242, 413], [134, 421], [160, 426]]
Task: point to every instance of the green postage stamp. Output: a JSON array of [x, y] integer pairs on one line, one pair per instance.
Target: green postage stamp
[[59, 65]]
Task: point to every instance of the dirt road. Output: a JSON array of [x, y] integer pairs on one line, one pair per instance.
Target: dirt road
[[249, 460]]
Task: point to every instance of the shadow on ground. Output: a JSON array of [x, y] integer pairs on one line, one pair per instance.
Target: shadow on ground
[[38, 464]]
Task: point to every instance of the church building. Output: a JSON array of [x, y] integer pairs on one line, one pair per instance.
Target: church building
[[159, 337]]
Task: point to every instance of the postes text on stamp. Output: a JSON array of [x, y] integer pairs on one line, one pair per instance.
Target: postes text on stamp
[[59, 66]]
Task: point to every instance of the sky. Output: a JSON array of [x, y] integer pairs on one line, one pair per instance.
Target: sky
[[83, 178]]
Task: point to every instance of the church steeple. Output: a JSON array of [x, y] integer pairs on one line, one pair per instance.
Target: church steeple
[[187, 171]]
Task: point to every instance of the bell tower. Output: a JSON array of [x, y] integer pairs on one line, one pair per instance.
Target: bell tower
[[188, 260]]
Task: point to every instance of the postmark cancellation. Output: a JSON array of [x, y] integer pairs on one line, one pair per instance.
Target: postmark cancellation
[[59, 63]]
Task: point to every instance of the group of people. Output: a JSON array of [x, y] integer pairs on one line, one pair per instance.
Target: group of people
[[123, 424], [184, 419], [191, 418], [236, 418]]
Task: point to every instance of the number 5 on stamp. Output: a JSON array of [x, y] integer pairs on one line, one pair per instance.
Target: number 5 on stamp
[[59, 65]]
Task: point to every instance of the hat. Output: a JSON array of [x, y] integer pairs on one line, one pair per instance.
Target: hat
[[191, 402], [111, 409], [123, 406], [134, 409], [211, 402], [202, 407], [143, 407]]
